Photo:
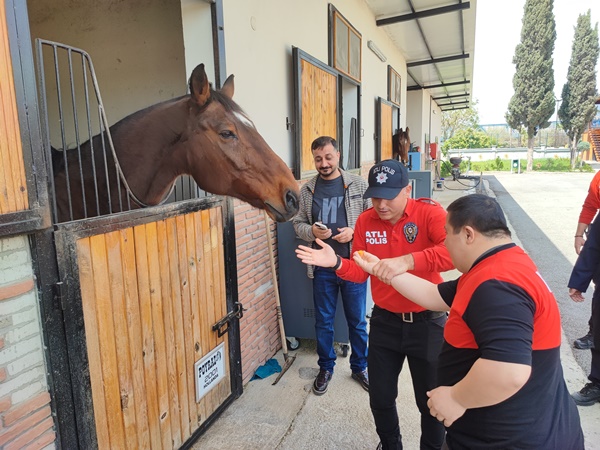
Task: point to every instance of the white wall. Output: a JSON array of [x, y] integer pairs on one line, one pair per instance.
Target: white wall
[[136, 48], [259, 35]]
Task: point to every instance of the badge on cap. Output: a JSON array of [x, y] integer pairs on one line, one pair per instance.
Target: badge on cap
[[410, 232], [382, 178]]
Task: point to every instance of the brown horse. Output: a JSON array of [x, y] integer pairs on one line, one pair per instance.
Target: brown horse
[[401, 146], [204, 134]]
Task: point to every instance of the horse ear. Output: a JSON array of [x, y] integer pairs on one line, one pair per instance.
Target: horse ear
[[199, 87], [407, 130], [227, 89]]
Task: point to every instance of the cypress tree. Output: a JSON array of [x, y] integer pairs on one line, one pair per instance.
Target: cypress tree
[[532, 103], [579, 92]]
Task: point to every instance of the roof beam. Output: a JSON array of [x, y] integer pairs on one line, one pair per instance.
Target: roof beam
[[450, 96], [455, 109], [452, 104], [422, 14], [455, 83], [437, 60]]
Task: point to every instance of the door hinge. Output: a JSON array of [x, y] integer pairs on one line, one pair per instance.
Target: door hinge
[[237, 313], [59, 291]]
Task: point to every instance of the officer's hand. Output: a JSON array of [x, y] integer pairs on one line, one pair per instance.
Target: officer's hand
[[365, 260], [324, 257], [388, 268]]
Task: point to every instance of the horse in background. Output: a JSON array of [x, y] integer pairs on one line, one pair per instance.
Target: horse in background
[[204, 134], [401, 146]]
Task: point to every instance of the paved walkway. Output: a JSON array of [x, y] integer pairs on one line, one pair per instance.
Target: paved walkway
[[288, 416]]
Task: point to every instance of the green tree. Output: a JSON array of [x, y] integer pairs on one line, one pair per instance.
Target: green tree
[[579, 92], [533, 102], [459, 119], [468, 138]]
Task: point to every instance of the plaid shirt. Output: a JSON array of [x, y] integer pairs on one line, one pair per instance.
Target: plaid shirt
[[354, 188]]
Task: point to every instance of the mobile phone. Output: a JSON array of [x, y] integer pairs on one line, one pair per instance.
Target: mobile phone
[[321, 226]]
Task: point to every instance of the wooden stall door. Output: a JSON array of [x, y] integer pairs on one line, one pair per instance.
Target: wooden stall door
[[13, 184], [385, 131], [150, 295], [317, 107]]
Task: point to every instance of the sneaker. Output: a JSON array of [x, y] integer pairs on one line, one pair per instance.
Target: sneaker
[[362, 378], [321, 382], [587, 396], [585, 342]]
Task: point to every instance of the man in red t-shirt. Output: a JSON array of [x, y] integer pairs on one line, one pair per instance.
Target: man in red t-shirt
[[412, 233], [588, 212]]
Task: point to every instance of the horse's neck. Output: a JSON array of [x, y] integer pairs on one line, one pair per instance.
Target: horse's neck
[[145, 146]]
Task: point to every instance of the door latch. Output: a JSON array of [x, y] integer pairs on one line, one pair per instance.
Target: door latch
[[223, 325]]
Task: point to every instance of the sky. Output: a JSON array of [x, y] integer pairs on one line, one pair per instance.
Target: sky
[[497, 33]]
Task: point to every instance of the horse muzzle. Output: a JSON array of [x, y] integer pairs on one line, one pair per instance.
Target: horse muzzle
[[289, 210]]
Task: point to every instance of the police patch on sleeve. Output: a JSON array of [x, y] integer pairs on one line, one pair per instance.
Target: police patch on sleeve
[[410, 232]]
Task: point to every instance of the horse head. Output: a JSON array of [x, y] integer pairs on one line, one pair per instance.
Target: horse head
[[228, 156], [401, 145]]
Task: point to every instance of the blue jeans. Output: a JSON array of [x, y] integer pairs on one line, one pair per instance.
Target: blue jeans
[[326, 286]]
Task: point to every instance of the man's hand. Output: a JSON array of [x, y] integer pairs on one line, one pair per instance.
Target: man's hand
[[576, 295], [443, 406], [365, 260], [345, 235], [387, 269], [324, 257], [579, 241], [321, 234]]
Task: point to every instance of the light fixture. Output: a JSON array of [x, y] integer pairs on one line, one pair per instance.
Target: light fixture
[[376, 50]]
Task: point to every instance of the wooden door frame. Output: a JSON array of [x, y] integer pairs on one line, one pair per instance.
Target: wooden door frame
[[297, 55]]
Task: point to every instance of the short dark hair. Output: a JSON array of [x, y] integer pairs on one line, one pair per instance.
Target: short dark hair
[[322, 141], [479, 211]]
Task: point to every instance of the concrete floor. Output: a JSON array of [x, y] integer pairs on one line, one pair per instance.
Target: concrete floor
[[542, 210]]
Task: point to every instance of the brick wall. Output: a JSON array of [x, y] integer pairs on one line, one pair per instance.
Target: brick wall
[[259, 330], [25, 416]]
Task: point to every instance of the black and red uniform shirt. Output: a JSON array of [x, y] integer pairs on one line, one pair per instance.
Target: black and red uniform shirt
[[503, 310]]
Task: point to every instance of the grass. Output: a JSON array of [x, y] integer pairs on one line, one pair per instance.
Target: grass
[[504, 165]]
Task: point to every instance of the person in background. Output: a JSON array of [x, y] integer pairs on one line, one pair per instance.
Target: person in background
[[588, 212], [586, 269], [411, 232], [330, 203], [501, 383]]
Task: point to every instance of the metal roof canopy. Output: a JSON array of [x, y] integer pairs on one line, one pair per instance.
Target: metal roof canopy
[[437, 38]]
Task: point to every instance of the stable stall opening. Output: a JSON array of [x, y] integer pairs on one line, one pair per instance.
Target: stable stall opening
[[79, 145]]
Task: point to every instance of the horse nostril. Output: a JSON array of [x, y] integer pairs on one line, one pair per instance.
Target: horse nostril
[[291, 201]]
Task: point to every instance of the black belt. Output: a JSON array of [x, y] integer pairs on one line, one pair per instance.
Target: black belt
[[411, 317], [419, 316]]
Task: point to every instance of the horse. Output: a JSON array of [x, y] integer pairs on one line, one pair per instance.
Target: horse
[[401, 146], [204, 134]]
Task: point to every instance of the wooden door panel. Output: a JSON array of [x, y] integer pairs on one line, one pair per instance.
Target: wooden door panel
[[384, 130], [150, 295], [317, 107], [13, 184]]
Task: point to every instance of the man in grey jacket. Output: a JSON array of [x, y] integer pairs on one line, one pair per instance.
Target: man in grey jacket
[[330, 203]]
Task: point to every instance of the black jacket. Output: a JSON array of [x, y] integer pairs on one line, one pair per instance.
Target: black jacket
[[588, 263]]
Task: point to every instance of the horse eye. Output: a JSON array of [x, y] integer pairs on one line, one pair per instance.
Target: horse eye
[[227, 134]]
